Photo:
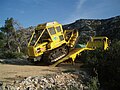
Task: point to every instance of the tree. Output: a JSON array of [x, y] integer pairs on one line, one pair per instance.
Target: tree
[[1, 40], [9, 30]]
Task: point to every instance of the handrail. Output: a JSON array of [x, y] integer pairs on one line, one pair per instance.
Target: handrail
[[31, 38], [39, 37]]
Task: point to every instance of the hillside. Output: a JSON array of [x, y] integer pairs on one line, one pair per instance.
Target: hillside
[[87, 27], [102, 27]]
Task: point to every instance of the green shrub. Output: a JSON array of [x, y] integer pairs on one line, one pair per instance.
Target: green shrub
[[109, 70], [107, 64], [93, 84], [8, 54]]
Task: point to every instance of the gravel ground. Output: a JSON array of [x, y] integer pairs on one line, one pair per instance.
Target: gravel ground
[[60, 81], [21, 75]]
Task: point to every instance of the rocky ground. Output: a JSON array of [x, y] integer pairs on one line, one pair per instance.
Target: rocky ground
[[60, 81], [22, 75]]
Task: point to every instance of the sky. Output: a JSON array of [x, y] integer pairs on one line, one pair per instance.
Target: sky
[[33, 12]]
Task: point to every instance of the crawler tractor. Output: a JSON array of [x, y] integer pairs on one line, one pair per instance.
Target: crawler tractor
[[49, 43]]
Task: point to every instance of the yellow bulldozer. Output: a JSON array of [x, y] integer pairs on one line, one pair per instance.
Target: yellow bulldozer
[[48, 40], [49, 43]]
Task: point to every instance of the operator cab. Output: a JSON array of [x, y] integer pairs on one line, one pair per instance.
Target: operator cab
[[50, 33]]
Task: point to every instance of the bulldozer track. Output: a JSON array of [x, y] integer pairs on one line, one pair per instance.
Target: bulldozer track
[[71, 56]]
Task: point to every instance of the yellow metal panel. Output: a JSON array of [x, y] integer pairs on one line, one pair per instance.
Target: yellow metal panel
[[98, 42], [31, 51]]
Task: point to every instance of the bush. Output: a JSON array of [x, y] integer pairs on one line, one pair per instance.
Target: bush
[[93, 57], [107, 64], [93, 84], [109, 70], [8, 54]]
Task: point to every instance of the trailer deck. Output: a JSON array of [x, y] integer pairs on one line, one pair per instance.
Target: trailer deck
[[72, 55]]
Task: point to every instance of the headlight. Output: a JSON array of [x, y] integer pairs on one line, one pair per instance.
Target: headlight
[[38, 50]]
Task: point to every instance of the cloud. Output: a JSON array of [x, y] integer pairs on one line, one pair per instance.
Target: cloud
[[80, 4], [76, 14], [94, 9]]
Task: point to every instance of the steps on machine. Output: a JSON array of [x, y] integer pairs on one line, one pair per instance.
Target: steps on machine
[[73, 38]]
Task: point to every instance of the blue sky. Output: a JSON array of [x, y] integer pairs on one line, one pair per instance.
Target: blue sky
[[33, 12]]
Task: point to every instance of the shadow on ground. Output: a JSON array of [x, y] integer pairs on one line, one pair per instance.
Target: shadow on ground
[[15, 61]]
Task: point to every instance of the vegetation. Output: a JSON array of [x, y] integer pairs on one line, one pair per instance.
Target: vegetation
[[9, 45], [107, 65], [109, 70]]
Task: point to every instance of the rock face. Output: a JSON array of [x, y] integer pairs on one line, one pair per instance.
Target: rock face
[[101, 27], [60, 81]]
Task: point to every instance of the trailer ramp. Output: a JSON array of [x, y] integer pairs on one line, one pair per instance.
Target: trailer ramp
[[72, 55]]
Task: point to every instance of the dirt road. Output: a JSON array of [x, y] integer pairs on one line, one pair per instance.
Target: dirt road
[[11, 70]]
